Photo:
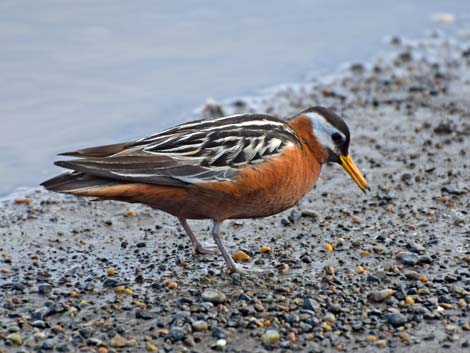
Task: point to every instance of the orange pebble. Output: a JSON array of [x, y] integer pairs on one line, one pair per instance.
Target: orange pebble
[[265, 249], [102, 350], [241, 256], [57, 328], [267, 323], [131, 213], [171, 284], [111, 271], [23, 200], [423, 279], [328, 247]]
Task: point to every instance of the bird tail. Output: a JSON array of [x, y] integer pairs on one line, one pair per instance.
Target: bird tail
[[77, 183]]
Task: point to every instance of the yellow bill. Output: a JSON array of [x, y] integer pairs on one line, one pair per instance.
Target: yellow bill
[[356, 175]]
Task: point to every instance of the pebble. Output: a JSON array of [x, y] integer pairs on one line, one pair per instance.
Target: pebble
[[118, 341], [265, 249], [221, 344], [44, 289], [425, 259], [380, 296], [38, 324], [23, 200], [413, 275], [241, 256], [177, 333], [381, 343], [395, 319], [416, 248], [200, 325], [311, 304], [270, 337], [328, 247], [217, 332], [48, 344], [408, 258], [151, 347], [15, 338], [111, 271], [214, 296], [330, 318]]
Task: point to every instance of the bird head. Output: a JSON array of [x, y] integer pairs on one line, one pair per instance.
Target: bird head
[[333, 135]]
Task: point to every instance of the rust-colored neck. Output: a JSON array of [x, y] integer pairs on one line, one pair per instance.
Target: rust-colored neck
[[303, 127]]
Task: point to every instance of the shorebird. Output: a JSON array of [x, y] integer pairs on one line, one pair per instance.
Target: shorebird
[[231, 167]]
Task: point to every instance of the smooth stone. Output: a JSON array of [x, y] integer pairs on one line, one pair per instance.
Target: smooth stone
[[38, 324], [270, 337], [380, 296], [395, 319], [311, 304], [15, 338], [214, 296], [409, 259], [200, 325], [44, 289]]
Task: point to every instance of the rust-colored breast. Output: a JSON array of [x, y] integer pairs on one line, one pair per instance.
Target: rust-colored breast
[[261, 190]]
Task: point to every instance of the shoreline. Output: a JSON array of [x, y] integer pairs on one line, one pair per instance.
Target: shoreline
[[396, 273]]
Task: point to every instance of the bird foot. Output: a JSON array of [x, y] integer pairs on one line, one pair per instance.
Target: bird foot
[[200, 249]]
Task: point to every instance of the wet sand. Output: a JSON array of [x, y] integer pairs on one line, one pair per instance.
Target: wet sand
[[348, 272]]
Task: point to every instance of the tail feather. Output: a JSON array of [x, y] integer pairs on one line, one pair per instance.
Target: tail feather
[[76, 182], [100, 151]]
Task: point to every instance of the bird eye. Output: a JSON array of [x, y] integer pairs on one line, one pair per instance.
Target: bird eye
[[337, 138]]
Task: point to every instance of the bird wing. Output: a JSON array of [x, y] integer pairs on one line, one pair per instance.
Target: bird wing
[[199, 151]]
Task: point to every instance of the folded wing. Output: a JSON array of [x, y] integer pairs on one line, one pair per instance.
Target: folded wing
[[195, 152]]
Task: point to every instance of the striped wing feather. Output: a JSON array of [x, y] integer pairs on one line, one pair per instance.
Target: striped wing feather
[[198, 151]]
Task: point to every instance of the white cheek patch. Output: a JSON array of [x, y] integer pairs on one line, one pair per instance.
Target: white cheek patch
[[323, 131]]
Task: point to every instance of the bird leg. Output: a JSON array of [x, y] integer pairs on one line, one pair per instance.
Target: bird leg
[[233, 267], [228, 259], [197, 246]]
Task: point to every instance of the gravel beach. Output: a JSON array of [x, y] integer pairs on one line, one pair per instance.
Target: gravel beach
[[346, 272]]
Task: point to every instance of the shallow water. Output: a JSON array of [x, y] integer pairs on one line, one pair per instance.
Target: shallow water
[[86, 73]]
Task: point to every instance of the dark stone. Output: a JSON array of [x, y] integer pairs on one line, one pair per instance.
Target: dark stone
[[311, 304], [218, 333], [395, 319], [409, 259], [177, 333], [44, 289], [292, 319], [48, 344], [306, 258], [304, 327], [110, 282], [86, 332]]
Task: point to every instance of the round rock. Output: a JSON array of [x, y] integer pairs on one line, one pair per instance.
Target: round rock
[[214, 296], [270, 337], [395, 319]]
